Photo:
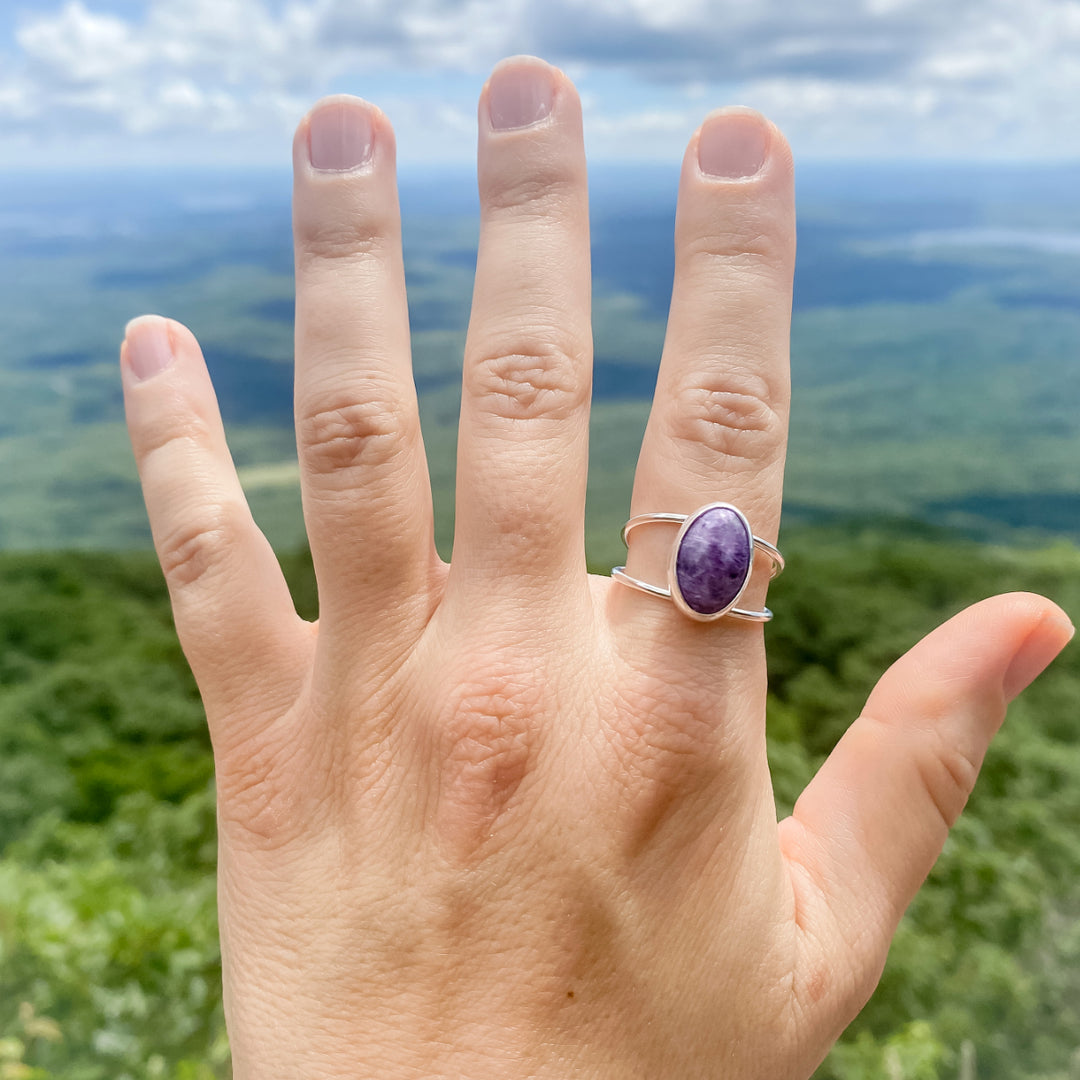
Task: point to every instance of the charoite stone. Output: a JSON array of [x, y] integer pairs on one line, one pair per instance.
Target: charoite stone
[[713, 560]]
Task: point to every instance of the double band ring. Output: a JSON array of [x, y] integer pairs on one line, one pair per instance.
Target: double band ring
[[711, 561]]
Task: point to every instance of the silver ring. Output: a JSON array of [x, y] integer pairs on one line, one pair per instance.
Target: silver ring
[[711, 561]]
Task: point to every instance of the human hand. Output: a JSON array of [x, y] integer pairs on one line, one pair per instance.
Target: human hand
[[501, 818]]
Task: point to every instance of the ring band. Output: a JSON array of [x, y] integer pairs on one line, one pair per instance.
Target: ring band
[[711, 561]]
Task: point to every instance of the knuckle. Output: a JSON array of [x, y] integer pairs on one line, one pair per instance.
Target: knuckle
[[539, 192], [180, 434], [485, 744], [261, 793], [662, 745], [356, 434], [663, 750], [945, 770], [330, 242], [740, 244], [658, 725], [727, 416], [194, 548], [948, 777], [524, 384]]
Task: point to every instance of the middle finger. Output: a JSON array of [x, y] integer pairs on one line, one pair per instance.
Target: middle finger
[[523, 444]]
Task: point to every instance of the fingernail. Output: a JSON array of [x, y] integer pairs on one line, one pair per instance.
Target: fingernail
[[148, 347], [520, 95], [341, 136], [733, 145], [1040, 647]]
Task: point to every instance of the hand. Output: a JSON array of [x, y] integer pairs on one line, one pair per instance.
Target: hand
[[501, 818]]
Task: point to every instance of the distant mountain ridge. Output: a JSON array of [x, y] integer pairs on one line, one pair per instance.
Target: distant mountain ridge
[[934, 376]]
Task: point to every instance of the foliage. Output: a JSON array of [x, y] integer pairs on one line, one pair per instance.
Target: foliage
[[110, 931], [109, 961], [989, 950]]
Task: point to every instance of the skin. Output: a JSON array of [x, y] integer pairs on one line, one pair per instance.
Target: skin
[[501, 818]]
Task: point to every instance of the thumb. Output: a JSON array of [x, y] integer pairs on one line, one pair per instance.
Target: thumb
[[869, 826]]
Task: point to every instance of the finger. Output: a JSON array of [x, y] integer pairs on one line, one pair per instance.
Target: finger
[[718, 426], [868, 828], [233, 611], [523, 443], [367, 501]]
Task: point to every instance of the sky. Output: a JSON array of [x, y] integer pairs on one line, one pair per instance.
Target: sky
[[135, 82]]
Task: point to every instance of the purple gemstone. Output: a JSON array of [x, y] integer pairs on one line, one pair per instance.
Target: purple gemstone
[[713, 560]]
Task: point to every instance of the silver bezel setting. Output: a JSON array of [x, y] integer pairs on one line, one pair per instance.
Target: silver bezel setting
[[672, 592], [673, 577]]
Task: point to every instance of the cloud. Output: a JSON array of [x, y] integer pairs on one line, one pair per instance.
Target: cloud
[[79, 48], [696, 39], [191, 65], [1005, 84], [841, 76]]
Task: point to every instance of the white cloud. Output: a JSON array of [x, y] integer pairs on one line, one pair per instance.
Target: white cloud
[[1005, 87], [841, 76], [80, 48]]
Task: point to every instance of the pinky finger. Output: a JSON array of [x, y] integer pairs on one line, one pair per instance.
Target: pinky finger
[[233, 612]]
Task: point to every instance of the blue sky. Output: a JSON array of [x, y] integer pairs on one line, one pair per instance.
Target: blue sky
[[92, 82]]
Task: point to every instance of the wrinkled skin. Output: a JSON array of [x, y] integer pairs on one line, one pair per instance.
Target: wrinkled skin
[[500, 818]]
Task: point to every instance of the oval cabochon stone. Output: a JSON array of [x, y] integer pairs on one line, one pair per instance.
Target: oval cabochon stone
[[714, 559]]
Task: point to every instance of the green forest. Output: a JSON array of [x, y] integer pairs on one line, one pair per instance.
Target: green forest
[[109, 957]]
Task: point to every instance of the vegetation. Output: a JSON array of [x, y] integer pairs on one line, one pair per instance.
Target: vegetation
[[109, 961], [987, 962]]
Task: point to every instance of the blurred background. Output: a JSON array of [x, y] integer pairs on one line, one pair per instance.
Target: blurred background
[[144, 149]]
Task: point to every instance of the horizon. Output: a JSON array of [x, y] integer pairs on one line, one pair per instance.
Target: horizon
[[936, 312]]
